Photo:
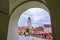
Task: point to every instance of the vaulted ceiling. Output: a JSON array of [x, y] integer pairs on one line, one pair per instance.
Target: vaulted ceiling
[[7, 6]]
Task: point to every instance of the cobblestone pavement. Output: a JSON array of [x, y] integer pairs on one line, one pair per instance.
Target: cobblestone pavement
[[30, 38]]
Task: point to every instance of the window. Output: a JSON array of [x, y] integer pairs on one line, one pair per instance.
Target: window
[[35, 23]]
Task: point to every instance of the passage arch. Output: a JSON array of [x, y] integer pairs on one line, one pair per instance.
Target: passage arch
[[13, 22]]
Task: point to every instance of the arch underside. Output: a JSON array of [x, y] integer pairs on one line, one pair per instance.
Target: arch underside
[[13, 22]]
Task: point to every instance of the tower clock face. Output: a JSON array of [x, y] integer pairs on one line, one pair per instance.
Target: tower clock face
[[35, 24]]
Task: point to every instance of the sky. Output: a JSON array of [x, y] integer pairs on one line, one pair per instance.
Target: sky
[[38, 17]]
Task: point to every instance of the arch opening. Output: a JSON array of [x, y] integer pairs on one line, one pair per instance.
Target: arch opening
[[13, 22], [34, 24]]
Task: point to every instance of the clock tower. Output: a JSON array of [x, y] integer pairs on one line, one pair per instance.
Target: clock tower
[[29, 22]]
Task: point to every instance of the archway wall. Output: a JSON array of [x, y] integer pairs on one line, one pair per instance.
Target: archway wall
[[4, 19], [14, 3], [13, 23]]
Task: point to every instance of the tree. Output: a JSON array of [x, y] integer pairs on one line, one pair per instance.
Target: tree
[[27, 30]]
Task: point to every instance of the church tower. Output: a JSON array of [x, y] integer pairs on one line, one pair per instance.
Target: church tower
[[29, 22]]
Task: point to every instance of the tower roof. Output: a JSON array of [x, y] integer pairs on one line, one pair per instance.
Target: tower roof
[[29, 18]]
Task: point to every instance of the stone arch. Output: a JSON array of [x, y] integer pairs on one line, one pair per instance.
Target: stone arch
[[13, 29], [26, 2]]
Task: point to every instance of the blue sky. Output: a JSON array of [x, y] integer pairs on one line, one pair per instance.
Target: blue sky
[[38, 17]]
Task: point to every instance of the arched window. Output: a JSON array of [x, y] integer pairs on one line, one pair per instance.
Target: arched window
[[35, 24]]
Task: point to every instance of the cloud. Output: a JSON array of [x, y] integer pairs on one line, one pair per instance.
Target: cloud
[[38, 15]]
